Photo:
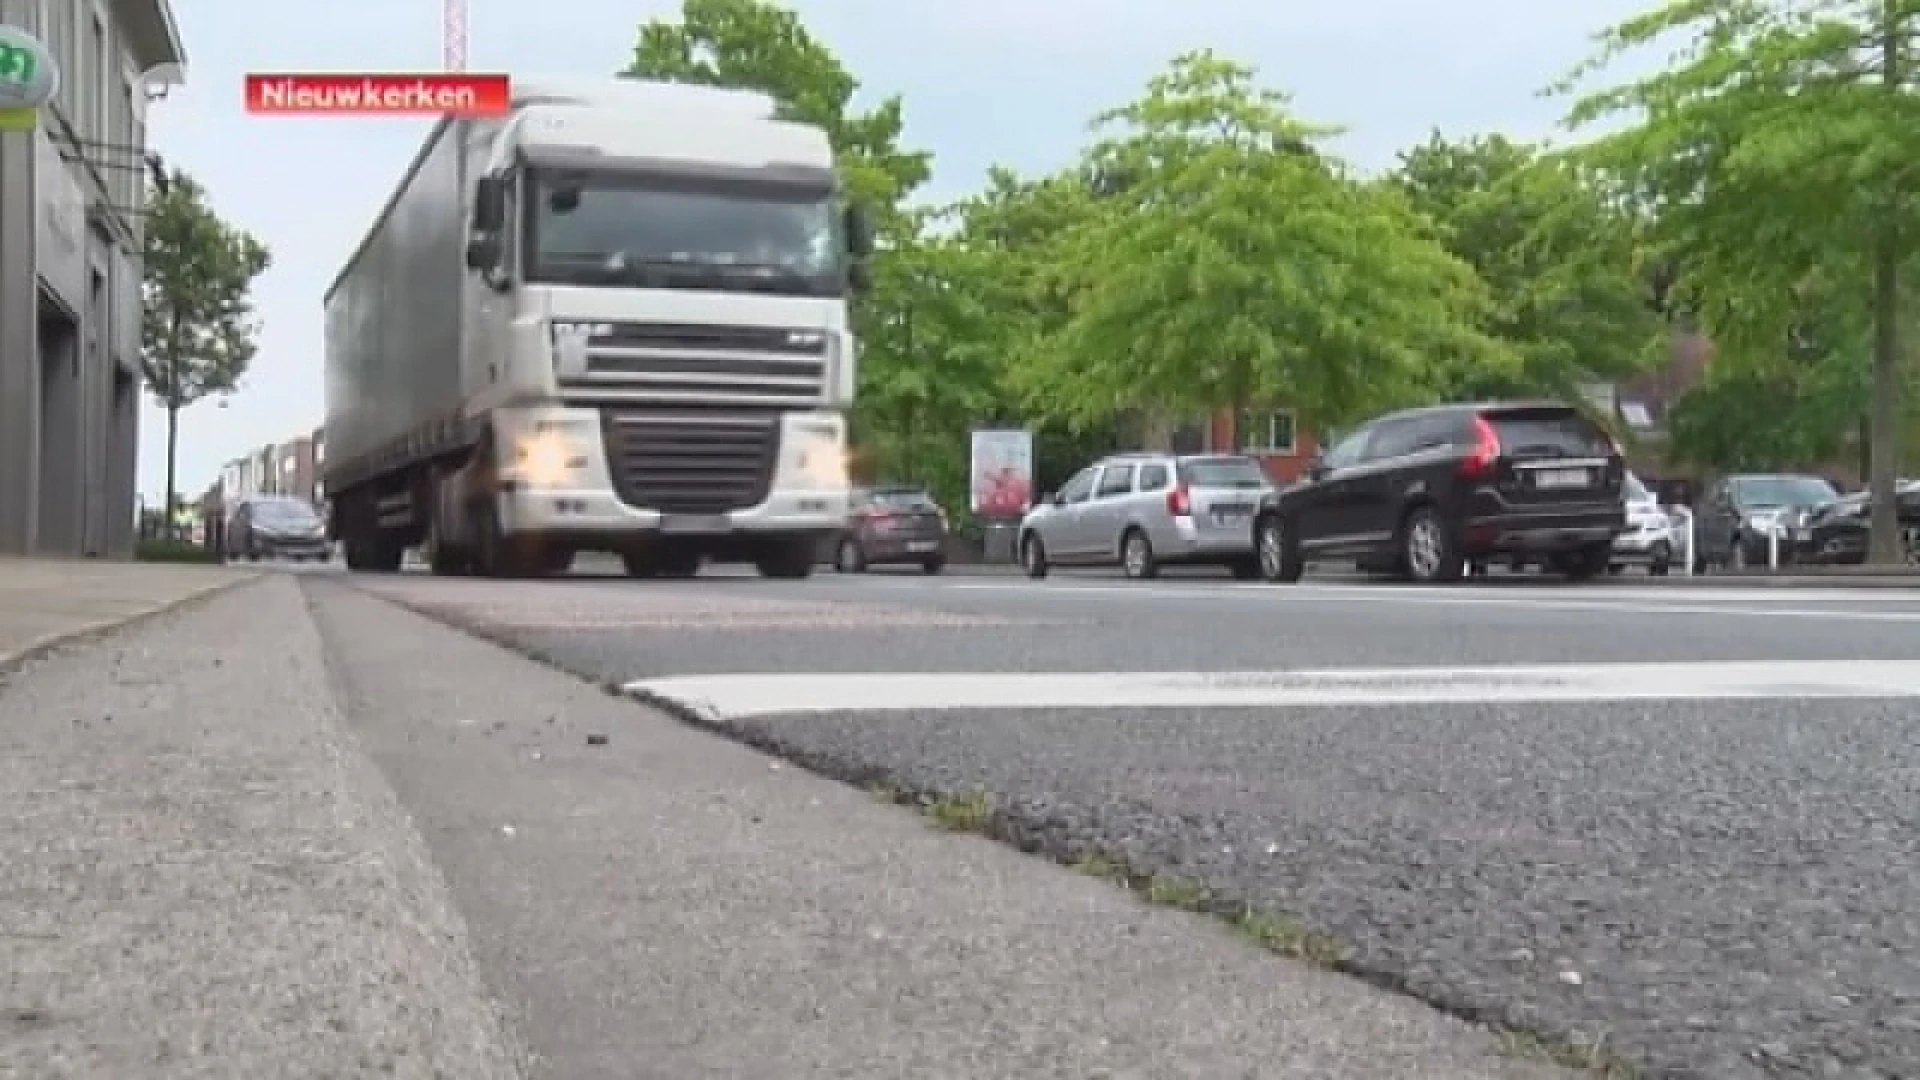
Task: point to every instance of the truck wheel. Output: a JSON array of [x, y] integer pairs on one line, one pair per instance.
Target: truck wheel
[[373, 554], [789, 559], [501, 556]]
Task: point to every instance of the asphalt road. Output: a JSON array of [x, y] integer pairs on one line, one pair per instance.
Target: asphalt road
[[1710, 865]]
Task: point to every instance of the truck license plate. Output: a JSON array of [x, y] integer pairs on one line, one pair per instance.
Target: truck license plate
[[1560, 479], [695, 523]]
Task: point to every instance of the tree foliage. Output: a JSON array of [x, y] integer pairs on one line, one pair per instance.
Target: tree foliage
[[1206, 250], [198, 332], [1774, 158], [1562, 263], [1230, 261], [752, 44], [1762, 418]]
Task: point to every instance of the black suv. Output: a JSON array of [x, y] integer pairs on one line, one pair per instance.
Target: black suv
[[1433, 492]]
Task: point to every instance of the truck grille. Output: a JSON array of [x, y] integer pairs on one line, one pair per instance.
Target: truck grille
[[675, 363], [695, 462]]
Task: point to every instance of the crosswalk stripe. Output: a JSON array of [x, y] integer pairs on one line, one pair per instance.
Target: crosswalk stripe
[[775, 694]]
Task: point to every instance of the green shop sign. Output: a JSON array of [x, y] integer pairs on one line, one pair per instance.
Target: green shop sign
[[28, 79]]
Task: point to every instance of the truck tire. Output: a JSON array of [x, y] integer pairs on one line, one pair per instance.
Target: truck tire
[[372, 553], [501, 556], [789, 558]]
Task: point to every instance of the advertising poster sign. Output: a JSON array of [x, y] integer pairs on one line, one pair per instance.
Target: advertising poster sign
[[1001, 472]]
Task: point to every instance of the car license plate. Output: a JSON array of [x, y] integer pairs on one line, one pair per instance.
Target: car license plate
[[1560, 479], [695, 523], [922, 545]]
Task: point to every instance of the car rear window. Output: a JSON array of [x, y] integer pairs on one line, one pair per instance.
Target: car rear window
[[903, 500], [1237, 473], [1526, 432]]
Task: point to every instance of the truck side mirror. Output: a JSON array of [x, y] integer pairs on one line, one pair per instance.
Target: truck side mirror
[[483, 252], [489, 204], [859, 232]]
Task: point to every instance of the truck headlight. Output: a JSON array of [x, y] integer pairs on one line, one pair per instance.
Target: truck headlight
[[819, 449], [547, 459]]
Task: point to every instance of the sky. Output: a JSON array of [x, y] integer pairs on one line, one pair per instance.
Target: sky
[[985, 82]]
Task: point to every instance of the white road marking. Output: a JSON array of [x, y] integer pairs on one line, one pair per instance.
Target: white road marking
[[773, 694], [1712, 602]]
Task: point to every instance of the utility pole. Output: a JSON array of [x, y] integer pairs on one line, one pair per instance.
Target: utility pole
[[453, 25]]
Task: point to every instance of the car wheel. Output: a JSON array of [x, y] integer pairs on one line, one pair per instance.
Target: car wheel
[[933, 566], [1661, 563], [1136, 556], [849, 559], [1277, 550], [1033, 556], [1428, 553]]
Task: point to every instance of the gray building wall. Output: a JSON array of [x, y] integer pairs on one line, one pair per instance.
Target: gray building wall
[[70, 236]]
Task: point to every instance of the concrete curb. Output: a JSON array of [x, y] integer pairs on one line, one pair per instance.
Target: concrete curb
[[90, 632], [1786, 581]]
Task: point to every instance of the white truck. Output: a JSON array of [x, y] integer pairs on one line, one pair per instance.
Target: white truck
[[613, 320]]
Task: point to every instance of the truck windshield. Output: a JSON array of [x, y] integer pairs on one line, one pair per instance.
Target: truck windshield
[[609, 229]]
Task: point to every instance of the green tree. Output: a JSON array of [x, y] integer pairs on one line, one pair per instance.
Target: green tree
[[1230, 262], [1561, 261], [198, 332], [756, 45], [1779, 148], [1787, 415]]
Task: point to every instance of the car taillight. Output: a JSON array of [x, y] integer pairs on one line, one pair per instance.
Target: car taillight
[[1179, 503], [1485, 455], [945, 525]]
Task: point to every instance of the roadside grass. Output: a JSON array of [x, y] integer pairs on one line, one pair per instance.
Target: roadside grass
[[973, 812], [175, 551]]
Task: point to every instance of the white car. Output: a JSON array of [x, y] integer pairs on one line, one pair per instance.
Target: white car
[[1650, 539]]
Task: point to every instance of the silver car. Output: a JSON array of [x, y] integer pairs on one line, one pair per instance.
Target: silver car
[[1650, 539], [1143, 511]]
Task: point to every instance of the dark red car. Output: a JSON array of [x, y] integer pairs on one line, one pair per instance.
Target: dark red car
[[892, 526]]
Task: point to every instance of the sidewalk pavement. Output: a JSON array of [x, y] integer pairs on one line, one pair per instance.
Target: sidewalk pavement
[[208, 874], [204, 876], [46, 601]]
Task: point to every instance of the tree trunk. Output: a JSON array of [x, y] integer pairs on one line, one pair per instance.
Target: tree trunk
[[173, 450], [1885, 544], [1157, 431]]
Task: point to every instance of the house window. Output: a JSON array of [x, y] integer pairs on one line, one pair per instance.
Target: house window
[[1191, 439], [1266, 431]]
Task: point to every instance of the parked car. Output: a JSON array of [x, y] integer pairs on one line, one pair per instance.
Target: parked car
[[1836, 534], [1649, 540], [1430, 493], [1143, 511], [1747, 519], [276, 526], [891, 526]]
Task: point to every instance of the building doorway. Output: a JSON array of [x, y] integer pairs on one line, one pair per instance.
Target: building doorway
[[60, 420]]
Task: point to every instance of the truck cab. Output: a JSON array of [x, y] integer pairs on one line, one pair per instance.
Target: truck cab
[[653, 337]]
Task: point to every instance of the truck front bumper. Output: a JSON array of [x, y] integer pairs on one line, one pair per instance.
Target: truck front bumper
[[601, 514], [558, 483]]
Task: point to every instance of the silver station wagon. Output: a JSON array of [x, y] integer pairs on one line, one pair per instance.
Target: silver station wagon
[[1143, 511]]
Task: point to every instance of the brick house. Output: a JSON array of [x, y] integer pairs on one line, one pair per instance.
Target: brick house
[[1275, 437]]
